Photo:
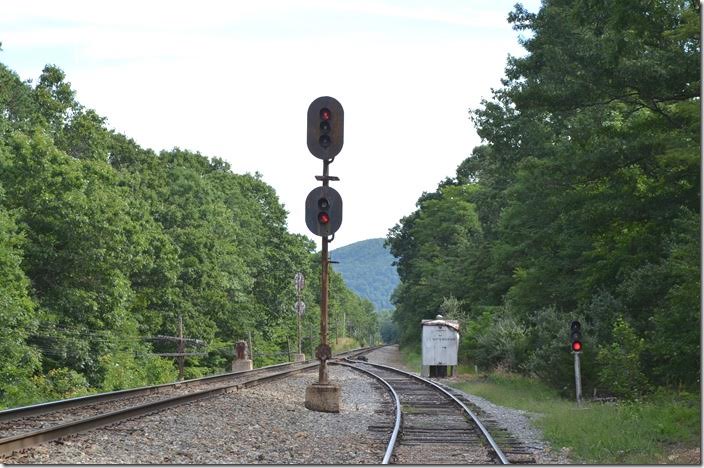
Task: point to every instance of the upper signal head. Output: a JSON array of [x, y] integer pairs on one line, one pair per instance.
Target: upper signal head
[[325, 127]]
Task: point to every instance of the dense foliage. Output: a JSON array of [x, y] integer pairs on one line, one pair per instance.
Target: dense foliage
[[582, 203], [104, 245], [367, 268]]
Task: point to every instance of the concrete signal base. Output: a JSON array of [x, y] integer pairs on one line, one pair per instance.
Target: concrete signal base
[[299, 357], [241, 365], [323, 397]]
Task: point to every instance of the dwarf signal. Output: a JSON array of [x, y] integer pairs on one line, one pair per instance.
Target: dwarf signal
[[576, 336]]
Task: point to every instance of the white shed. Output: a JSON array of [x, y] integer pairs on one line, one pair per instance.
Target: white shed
[[440, 342]]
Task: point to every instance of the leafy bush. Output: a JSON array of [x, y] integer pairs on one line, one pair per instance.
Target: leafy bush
[[470, 332], [550, 358], [504, 344], [620, 363], [194, 372], [158, 370], [122, 370], [61, 383]]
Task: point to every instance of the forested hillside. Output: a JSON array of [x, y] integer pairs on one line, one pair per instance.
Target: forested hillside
[[582, 203], [367, 268], [104, 244]]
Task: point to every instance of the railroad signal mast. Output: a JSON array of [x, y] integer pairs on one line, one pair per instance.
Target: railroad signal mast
[[325, 130], [576, 346]]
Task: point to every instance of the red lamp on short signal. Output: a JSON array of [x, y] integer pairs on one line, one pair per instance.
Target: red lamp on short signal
[[576, 346]]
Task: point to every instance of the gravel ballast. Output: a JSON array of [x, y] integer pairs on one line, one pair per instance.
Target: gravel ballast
[[266, 424]]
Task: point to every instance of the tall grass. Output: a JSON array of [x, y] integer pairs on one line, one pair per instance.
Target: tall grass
[[638, 432], [342, 344]]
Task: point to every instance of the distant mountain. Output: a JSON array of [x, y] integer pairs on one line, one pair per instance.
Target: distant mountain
[[366, 268]]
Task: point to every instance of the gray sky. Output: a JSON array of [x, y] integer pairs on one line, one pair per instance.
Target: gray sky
[[234, 79]]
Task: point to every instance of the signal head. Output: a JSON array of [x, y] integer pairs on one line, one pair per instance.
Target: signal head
[[326, 120], [323, 211], [576, 336]]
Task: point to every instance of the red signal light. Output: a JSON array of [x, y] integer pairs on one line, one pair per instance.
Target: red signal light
[[325, 114], [576, 346], [324, 218]]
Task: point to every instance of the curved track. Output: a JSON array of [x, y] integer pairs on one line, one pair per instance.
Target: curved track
[[431, 425]]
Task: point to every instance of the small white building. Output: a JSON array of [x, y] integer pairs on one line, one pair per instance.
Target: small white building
[[440, 343]]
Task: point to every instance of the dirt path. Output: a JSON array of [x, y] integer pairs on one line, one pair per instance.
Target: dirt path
[[389, 356]]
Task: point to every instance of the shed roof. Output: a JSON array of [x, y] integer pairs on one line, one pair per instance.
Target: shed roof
[[454, 324]]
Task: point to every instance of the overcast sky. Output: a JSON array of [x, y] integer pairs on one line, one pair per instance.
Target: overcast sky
[[234, 79]]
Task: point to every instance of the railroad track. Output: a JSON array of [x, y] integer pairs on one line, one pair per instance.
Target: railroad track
[[431, 426], [32, 425]]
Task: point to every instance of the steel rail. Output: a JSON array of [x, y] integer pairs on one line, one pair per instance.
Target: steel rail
[[473, 416], [20, 441], [397, 404], [49, 406]]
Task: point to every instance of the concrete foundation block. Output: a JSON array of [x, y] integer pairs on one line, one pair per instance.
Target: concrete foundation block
[[323, 397], [299, 357], [242, 365]]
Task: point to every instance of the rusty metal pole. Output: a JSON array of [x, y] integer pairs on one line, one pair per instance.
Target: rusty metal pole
[[323, 371]]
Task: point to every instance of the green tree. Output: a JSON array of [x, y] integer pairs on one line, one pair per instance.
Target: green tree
[[585, 189]]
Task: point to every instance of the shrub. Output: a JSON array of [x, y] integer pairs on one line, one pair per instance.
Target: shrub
[[504, 344], [620, 363], [61, 383], [551, 359], [123, 370]]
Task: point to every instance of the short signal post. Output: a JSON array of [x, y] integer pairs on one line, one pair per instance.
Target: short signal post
[[576, 346], [325, 128]]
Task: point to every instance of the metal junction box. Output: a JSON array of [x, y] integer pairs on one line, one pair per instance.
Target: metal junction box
[[440, 342]]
